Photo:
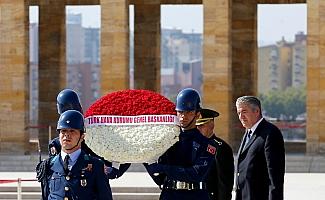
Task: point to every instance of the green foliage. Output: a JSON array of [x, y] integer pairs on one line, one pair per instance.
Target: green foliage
[[290, 102]]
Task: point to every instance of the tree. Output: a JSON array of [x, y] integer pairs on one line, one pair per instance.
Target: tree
[[289, 103]]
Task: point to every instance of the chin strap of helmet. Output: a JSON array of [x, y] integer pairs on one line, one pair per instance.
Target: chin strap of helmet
[[184, 127], [76, 144]]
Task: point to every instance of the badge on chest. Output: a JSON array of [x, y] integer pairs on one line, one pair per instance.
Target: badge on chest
[[83, 180]]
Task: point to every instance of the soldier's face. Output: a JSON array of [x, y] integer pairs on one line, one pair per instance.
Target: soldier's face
[[187, 118], [70, 139], [247, 115], [207, 128]]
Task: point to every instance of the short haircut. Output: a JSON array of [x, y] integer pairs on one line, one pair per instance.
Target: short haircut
[[252, 101]]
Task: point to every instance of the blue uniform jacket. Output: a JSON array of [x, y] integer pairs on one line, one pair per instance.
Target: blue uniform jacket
[[189, 161], [113, 172], [86, 180]]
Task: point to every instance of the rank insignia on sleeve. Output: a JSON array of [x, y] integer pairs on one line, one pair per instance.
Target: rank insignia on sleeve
[[211, 149]]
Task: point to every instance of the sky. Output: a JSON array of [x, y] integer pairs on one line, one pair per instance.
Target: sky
[[274, 21]]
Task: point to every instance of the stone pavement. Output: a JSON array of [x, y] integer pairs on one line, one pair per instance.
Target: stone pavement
[[298, 186]]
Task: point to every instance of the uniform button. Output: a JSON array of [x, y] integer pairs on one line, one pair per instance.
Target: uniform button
[[67, 178], [238, 174], [66, 188], [156, 174], [66, 198]]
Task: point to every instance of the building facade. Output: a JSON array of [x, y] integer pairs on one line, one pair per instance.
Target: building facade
[[282, 65]]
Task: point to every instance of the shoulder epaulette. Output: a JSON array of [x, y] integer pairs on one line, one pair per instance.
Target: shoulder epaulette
[[218, 142]]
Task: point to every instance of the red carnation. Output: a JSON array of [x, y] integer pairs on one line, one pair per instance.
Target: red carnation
[[132, 102], [131, 126]]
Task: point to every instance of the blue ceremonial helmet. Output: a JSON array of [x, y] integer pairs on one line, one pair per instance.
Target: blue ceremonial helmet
[[188, 100], [71, 119], [68, 99]]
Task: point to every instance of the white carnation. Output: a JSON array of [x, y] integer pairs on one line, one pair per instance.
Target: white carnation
[[131, 143]]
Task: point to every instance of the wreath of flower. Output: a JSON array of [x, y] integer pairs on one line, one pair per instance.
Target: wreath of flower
[[131, 142]]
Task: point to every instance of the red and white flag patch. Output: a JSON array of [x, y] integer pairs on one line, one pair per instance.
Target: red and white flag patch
[[211, 149]]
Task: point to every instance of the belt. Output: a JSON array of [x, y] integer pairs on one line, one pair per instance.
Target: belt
[[180, 185]]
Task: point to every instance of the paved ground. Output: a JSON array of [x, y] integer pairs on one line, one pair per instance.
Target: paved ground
[[298, 186]]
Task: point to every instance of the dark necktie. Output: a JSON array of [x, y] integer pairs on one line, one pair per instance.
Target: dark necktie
[[66, 163], [248, 137]]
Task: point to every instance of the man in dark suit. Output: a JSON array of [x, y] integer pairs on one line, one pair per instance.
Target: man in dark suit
[[221, 174], [261, 156]]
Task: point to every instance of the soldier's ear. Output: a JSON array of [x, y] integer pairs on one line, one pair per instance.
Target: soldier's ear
[[82, 136]]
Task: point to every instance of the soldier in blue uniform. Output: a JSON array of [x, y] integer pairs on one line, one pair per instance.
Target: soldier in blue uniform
[[73, 173], [68, 99], [181, 172], [221, 174]]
